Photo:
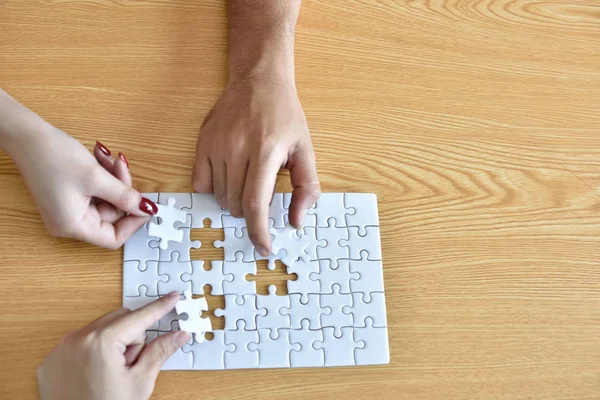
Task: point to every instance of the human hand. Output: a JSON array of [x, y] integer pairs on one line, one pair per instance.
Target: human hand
[[108, 359], [78, 196], [256, 128]]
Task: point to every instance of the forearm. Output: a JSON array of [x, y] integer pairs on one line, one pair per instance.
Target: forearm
[[17, 124], [261, 38]]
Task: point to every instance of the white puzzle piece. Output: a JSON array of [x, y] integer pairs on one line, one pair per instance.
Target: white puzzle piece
[[339, 350], [334, 312], [233, 245], [273, 348], [330, 275], [272, 304], [182, 248], [308, 311], [362, 309], [376, 348], [215, 277], [238, 269], [166, 231], [210, 354], [174, 270], [361, 210], [194, 324], [134, 277], [307, 356], [242, 356], [240, 309], [291, 241], [205, 206], [330, 206], [357, 244]]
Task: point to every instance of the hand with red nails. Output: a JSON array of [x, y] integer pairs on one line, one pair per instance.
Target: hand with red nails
[[79, 195], [108, 359], [257, 125]]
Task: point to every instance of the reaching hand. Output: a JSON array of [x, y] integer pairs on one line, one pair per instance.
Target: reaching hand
[[256, 128], [108, 359], [78, 196]]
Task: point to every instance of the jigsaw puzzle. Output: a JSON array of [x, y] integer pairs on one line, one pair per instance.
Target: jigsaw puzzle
[[333, 315]]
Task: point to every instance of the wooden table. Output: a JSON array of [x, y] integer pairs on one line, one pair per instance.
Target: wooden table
[[477, 123]]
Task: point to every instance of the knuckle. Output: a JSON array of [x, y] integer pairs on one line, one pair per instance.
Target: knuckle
[[129, 197]]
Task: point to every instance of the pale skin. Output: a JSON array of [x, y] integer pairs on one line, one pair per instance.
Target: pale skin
[[108, 359], [256, 128]]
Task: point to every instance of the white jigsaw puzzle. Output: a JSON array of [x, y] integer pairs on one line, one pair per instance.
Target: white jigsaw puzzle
[[195, 323], [333, 314]]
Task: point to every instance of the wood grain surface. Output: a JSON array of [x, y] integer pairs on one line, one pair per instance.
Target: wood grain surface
[[475, 122]]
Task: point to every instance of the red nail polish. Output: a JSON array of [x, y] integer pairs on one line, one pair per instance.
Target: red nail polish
[[148, 206], [122, 157], [103, 149]]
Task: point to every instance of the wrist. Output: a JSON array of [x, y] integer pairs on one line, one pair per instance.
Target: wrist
[[19, 126], [269, 61]]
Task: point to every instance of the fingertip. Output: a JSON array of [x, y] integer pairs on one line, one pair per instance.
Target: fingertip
[[181, 338]]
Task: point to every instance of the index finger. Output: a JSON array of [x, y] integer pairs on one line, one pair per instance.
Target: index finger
[[258, 190], [129, 327]]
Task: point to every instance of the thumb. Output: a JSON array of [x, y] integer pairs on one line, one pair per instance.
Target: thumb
[[156, 353], [122, 196]]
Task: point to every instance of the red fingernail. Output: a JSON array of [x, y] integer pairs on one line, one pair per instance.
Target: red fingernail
[[103, 149], [148, 206], [122, 157]]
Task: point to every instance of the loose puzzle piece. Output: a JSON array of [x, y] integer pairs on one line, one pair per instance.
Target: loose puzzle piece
[[311, 249], [333, 236], [333, 306], [289, 240], [308, 356], [271, 257], [166, 230], [370, 275], [239, 269], [330, 206], [361, 211], [376, 348], [210, 354], [134, 278], [184, 203], [174, 271], [195, 323], [361, 310], [183, 248], [206, 206], [215, 277], [304, 284], [369, 243], [330, 275], [242, 356], [339, 350], [240, 308], [309, 311], [137, 248], [272, 304], [273, 351], [233, 244]]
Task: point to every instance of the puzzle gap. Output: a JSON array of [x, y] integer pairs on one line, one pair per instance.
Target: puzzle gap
[[214, 302], [278, 277], [207, 251]]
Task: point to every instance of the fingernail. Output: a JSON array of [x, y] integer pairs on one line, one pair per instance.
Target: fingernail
[[122, 157], [181, 338], [103, 149], [148, 206], [302, 215], [262, 251]]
